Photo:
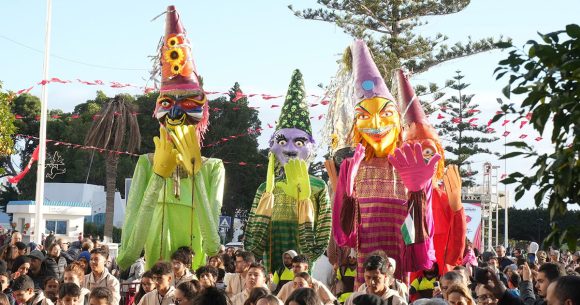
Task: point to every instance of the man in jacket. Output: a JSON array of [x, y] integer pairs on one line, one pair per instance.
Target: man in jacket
[[41, 268]]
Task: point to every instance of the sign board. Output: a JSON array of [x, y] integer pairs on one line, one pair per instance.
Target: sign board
[[225, 222], [473, 218]]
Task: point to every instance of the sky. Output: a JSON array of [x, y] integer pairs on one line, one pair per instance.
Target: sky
[[257, 43]]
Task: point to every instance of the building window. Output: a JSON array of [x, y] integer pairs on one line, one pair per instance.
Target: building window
[[57, 226]]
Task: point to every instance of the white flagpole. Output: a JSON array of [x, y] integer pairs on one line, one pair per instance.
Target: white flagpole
[[39, 199]]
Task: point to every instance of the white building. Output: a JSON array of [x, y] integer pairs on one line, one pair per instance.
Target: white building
[[92, 194], [65, 207], [65, 218]]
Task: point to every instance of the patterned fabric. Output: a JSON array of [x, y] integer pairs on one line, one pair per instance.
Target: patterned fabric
[[295, 112], [382, 206], [382, 199], [270, 237]]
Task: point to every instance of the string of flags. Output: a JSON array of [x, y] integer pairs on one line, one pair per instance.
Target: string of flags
[[113, 84]]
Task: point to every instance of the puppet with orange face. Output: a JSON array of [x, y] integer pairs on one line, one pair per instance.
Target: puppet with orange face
[[448, 215]]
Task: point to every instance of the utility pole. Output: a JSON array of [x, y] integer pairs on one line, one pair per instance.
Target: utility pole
[[39, 198]]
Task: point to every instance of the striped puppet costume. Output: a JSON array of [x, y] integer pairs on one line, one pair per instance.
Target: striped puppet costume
[[291, 211]]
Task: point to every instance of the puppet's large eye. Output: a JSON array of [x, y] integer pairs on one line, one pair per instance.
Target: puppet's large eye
[[282, 142], [386, 114], [299, 143], [165, 103], [428, 151]]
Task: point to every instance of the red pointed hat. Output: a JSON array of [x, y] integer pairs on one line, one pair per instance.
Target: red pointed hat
[[178, 71], [419, 126]]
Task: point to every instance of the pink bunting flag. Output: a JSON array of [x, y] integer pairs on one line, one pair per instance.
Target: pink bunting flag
[[440, 116], [505, 122], [239, 95], [538, 139], [489, 122], [489, 130], [325, 102], [523, 136], [472, 120], [522, 123], [529, 116], [505, 133]]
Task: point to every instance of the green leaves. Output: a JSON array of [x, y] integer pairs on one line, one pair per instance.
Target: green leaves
[[548, 74], [573, 30]]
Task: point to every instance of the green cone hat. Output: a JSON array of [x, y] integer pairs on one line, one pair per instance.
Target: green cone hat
[[295, 112]]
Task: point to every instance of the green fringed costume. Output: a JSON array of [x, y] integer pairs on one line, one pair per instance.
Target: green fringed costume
[[284, 226], [270, 237]]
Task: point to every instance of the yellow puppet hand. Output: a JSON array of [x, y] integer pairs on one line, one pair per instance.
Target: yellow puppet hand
[[297, 183], [165, 157], [185, 139], [270, 174], [452, 183]]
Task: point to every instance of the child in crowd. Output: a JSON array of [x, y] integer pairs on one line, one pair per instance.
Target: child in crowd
[[69, 294], [101, 296]]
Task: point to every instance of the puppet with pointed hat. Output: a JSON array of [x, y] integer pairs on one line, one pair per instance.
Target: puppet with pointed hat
[[382, 190], [176, 195], [449, 225], [291, 210]]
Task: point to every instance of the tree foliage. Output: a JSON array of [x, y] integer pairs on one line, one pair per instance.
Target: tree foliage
[[548, 75], [231, 116], [7, 128], [463, 133], [390, 29], [533, 224]]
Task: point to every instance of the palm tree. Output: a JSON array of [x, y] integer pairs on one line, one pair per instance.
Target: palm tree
[[114, 128]]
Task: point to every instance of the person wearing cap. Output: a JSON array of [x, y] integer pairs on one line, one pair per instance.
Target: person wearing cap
[[291, 210], [23, 290], [100, 276], [346, 274], [300, 264], [284, 274], [172, 206], [41, 268], [383, 191]]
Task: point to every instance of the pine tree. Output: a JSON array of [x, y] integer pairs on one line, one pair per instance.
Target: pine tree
[[390, 29], [462, 132], [232, 136]]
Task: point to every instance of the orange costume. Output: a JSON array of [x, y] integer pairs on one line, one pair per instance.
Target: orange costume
[[448, 214]]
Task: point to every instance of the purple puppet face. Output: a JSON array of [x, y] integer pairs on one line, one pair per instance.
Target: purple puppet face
[[289, 143]]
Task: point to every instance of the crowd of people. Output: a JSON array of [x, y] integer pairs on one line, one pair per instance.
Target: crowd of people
[[82, 273]]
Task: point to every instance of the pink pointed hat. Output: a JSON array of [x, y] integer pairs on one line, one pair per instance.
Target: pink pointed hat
[[368, 80], [178, 71]]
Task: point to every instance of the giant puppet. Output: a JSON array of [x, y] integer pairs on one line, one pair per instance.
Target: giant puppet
[[381, 187], [450, 226], [176, 195], [291, 210]]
